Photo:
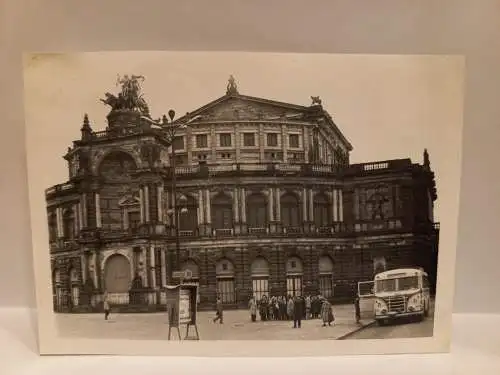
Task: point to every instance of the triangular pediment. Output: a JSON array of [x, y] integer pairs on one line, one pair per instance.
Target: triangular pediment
[[242, 107]]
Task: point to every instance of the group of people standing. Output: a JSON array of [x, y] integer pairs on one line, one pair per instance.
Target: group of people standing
[[296, 308]]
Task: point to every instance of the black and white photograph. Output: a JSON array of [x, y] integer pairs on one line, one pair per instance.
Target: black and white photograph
[[208, 197]]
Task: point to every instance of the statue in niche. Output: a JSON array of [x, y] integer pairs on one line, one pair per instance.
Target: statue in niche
[[151, 153]]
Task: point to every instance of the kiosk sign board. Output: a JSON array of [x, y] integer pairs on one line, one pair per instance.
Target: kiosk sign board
[[181, 303]]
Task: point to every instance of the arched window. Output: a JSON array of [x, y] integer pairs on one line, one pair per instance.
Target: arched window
[[117, 278], [188, 219], [256, 207], [260, 278], [117, 166], [326, 276], [290, 210], [195, 275], [225, 281], [222, 212], [52, 220], [294, 273], [69, 224], [321, 211]]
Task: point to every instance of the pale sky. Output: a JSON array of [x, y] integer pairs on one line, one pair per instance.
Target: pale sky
[[388, 107]]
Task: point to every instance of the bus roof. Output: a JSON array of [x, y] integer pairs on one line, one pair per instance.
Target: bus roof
[[400, 272]]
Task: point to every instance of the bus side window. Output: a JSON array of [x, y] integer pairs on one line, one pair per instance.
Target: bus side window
[[426, 282]]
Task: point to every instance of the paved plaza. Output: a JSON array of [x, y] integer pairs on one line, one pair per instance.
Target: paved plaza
[[237, 326]]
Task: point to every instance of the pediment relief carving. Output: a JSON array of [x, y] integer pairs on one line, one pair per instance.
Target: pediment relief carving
[[240, 109]]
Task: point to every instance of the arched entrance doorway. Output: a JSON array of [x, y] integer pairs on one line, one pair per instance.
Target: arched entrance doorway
[[225, 281], [260, 278], [294, 272], [117, 279], [326, 276]]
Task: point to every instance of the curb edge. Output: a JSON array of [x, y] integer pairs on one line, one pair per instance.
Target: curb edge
[[346, 335]]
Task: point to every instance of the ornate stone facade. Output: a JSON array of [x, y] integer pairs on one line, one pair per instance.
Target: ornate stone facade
[[270, 205]]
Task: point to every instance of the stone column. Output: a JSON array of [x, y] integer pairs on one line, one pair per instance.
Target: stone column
[[284, 142], [305, 141], [76, 224], [146, 204], [277, 208], [98, 218], [159, 202], [236, 209], [311, 206], [243, 200], [142, 203], [341, 206], [60, 228], [152, 268], [237, 141], [304, 206], [208, 213], [97, 269], [84, 266], [163, 268], [261, 139], [126, 224], [81, 223], [201, 210], [334, 206], [270, 209]]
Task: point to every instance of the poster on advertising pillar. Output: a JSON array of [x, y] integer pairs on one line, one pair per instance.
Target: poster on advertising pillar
[[284, 204]]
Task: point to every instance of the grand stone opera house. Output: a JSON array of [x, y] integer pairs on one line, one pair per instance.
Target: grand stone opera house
[[267, 199]]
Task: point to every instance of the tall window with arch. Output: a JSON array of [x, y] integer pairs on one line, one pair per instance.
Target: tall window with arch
[[260, 278], [322, 211], [326, 276], [256, 207], [225, 275], [188, 219], [290, 210], [69, 223], [222, 212], [52, 221], [195, 275], [294, 276]]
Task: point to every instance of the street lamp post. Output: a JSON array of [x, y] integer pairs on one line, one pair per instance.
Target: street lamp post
[[175, 211], [169, 129]]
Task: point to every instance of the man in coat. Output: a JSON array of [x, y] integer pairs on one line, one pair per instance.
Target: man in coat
[[299, 310]]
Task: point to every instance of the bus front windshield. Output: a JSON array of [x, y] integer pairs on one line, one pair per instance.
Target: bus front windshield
[[396, 285]]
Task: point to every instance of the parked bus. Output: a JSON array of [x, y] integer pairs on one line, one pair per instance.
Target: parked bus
[[399, 293]]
